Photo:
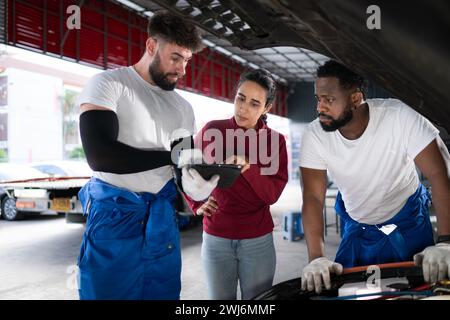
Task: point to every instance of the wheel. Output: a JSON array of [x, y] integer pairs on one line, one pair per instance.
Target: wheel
[[75, 218], [9, 209]]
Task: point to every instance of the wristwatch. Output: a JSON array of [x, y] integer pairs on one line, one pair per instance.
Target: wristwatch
[[443, 238]]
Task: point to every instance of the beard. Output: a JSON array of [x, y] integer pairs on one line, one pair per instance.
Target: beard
[[335, 124], [159, 77]]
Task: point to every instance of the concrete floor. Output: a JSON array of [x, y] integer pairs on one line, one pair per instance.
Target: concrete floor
[[38, 255]]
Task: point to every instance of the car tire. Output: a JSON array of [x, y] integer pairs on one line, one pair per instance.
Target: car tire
[[9, 210], [75, 218]]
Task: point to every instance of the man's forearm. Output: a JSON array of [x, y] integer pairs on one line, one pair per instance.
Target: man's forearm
[[313, 226], [434, 163], [441, 202]]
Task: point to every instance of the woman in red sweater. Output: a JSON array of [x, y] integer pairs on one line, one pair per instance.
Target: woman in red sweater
[[237, 224]]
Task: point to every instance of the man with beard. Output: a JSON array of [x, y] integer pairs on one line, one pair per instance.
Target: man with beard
[[131, 119], [370, 149]]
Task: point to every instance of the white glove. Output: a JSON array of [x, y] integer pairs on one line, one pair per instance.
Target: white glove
[[318, 272], [195, 186], [435, 262], [190, 156]]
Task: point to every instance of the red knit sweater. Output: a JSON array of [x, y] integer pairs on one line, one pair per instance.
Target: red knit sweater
[[244, 208]]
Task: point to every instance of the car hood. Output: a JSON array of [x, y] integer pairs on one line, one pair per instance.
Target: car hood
[[408, 56]]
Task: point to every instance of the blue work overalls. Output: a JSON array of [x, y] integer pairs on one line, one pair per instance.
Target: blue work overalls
[[131, 246], [364, 244]]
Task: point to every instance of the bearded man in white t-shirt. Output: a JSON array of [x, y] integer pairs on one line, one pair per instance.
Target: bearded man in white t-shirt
[[132, 123], [371, 149]]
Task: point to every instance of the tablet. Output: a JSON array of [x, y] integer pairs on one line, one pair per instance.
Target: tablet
[[228, 172]]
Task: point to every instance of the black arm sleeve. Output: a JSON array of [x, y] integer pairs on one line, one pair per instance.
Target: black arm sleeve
[[99, 130], [176, 146]]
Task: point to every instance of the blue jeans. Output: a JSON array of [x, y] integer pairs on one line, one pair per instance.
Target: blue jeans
[[225, 261]]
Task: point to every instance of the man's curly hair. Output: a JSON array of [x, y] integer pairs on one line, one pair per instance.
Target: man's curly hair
[[175, 29], [347, 78]]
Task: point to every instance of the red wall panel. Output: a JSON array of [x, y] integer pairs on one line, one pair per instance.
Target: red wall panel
[[91, 46], [112, 36]]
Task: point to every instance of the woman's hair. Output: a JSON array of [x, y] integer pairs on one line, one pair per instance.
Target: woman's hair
[[176, 30], [265, 80]]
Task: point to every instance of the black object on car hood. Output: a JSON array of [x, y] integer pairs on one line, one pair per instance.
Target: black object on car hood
[[291, 289]]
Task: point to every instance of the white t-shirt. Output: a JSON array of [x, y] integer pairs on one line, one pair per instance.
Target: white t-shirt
[[376, 172], [149, 118]]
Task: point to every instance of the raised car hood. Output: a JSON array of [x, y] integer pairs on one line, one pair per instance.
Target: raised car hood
[[409, 56]]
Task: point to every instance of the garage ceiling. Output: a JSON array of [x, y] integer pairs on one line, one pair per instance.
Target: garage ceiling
[[225, 31]]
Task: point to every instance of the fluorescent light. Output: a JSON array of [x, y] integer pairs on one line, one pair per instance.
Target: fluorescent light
[[131, 5], [208, 43], [220, 49], [242, 60], [148, 13], [224, 51]]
